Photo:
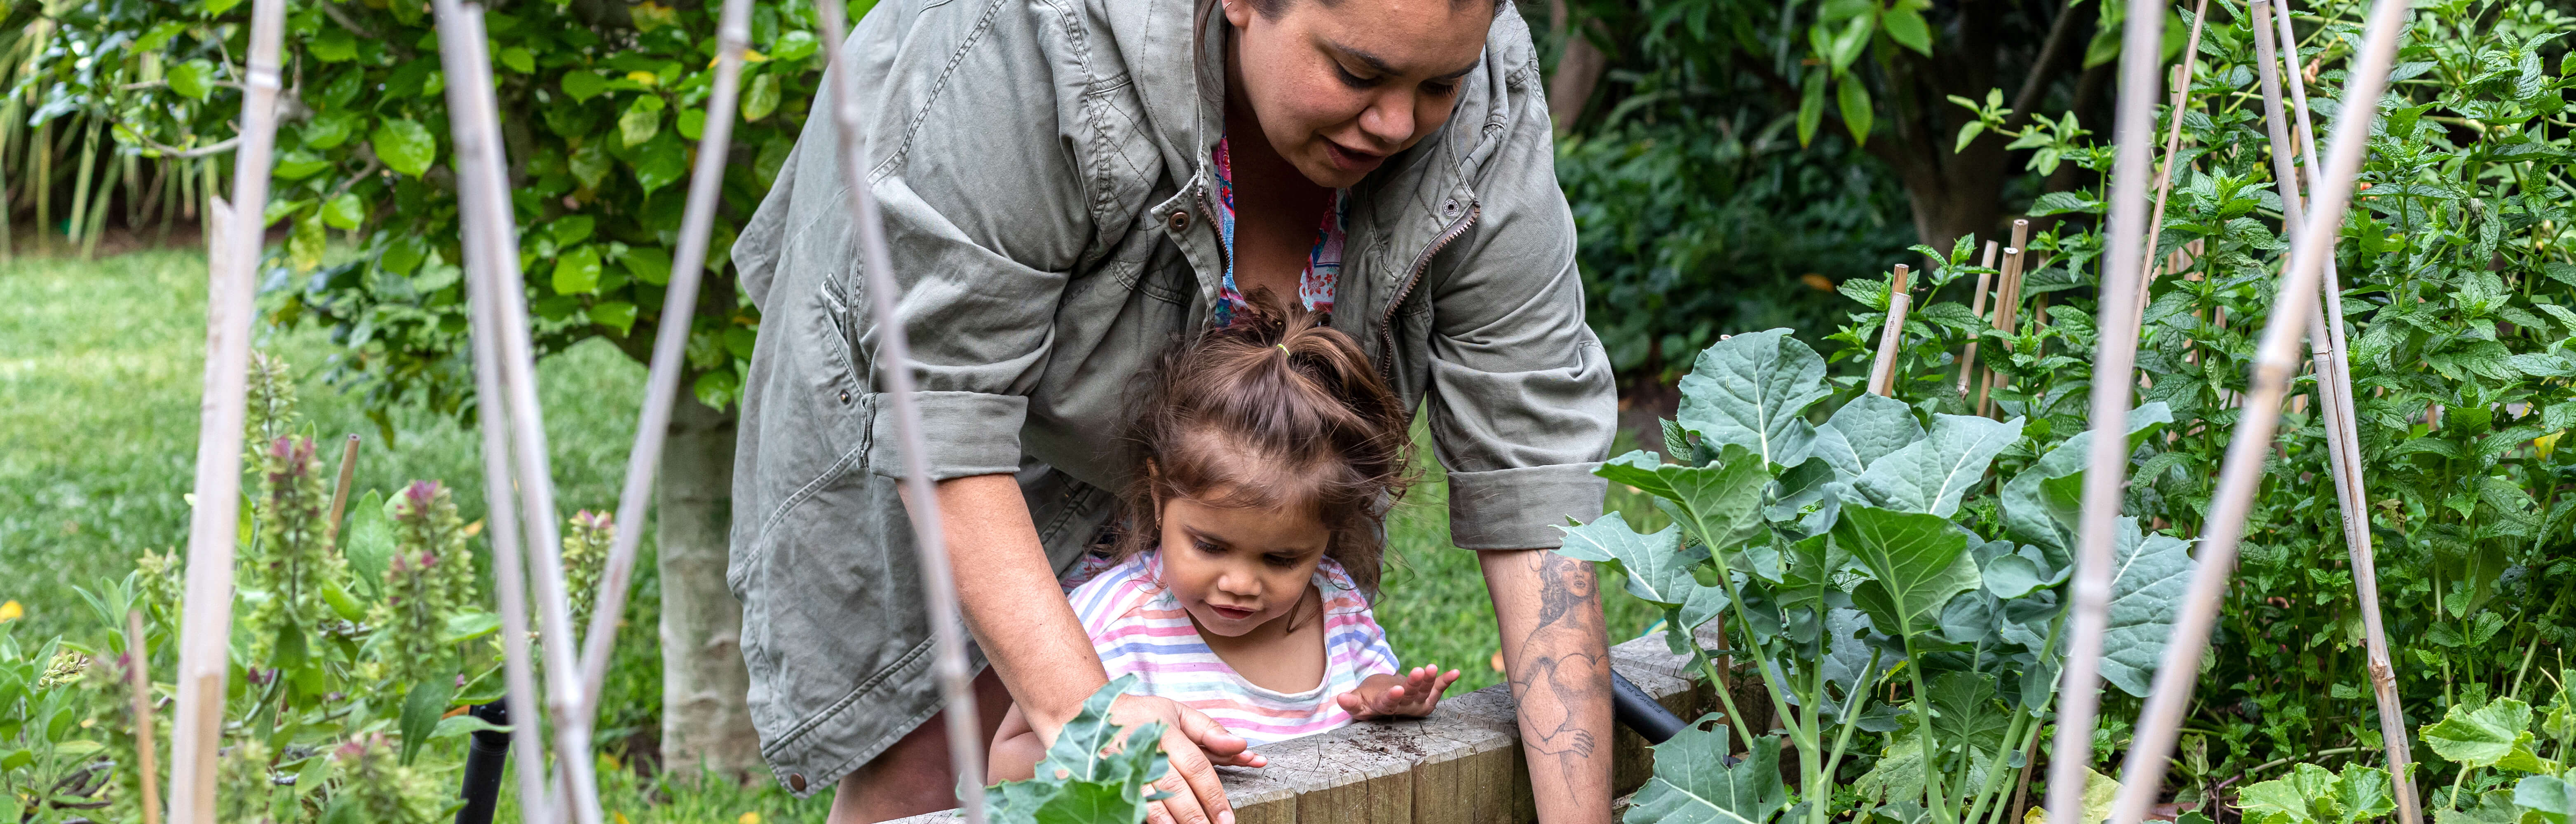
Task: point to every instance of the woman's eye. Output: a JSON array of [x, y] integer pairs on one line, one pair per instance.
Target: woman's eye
[[1442, 89], [1353, 80]]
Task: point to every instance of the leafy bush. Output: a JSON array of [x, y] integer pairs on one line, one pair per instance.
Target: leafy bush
[[605, 99], [1833, 548]]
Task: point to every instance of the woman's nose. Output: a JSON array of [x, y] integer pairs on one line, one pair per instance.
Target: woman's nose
[[1389, 120]]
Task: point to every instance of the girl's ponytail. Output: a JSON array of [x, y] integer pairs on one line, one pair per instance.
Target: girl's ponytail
[[1275, 409]]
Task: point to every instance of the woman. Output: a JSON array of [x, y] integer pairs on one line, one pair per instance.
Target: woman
[[1067, 186]]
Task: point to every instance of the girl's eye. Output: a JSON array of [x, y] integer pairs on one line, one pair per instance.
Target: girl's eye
[[1280, 561], [1207, 546]]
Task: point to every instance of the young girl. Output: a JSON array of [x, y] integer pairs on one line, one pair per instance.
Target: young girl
[[1239, 586]]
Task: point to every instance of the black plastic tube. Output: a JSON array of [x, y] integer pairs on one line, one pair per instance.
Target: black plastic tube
[[485, 757], [1635, 710]]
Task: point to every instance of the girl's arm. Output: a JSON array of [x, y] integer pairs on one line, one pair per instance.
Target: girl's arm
[[1028, 630]]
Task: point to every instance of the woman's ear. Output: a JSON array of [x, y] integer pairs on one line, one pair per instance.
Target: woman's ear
[[1238, 13]]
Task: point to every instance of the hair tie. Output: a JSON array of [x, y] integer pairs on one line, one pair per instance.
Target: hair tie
[[1283, 349]]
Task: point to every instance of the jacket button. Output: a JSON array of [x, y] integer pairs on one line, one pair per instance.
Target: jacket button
[[845, 396], [796, 781], [1449, 208], [1180, 220]]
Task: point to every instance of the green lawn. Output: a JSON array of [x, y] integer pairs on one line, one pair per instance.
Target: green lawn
[[100, 365]]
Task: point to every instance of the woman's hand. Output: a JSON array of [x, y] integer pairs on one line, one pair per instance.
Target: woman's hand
[[1196, 745], [1409, 696]]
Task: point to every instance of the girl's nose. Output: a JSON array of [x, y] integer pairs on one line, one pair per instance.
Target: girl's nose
[[1239, 583]]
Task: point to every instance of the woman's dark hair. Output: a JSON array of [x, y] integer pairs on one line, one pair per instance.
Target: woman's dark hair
[[1276, 409]]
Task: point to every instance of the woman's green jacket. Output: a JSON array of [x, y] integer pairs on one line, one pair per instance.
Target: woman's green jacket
[[1043, 169]]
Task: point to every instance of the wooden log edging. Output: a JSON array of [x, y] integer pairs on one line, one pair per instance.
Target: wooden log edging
[[1463, 764]]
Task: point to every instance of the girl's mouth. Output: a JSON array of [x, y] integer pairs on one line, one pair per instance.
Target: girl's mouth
[[1233, 613]]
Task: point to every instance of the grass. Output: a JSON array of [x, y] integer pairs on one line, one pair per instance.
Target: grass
[[100, 366]]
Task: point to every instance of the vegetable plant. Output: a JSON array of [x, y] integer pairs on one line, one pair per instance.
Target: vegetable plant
[[1854, 554]]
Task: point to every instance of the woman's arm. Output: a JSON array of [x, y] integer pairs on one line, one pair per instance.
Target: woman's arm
[[1548, 609], [1030, 634], [1521, 409]]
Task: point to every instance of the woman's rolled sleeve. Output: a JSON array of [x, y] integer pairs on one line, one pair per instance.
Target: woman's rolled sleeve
[[1522, 403]]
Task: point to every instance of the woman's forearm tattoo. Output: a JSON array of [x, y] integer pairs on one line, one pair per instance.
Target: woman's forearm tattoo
[[1563, 664]]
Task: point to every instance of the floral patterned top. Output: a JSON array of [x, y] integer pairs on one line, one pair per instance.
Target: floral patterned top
[[1323, 262]]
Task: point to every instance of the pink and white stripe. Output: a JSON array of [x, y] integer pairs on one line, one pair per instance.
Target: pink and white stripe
[[1139, 628]]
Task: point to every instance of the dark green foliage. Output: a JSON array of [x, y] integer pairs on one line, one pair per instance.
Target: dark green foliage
[[603, 104]]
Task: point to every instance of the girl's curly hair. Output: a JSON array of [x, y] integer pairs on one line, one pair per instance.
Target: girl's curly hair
[[1276, 409]]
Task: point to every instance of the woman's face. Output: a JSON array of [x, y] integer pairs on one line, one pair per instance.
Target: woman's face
[[1235, 568], [1339, 88]]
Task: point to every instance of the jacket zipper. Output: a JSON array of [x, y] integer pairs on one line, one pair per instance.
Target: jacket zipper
[[1386, 323], [1224, 255]]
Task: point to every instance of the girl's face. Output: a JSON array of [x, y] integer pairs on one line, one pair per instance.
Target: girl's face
[[1339, 88], [1237, 568]]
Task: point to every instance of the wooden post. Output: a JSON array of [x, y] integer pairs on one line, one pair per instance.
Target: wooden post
[[894, 362], [670, 351], [1985, 280], [2160, 723], [1891, 336], [206, 622], [2334, 382]]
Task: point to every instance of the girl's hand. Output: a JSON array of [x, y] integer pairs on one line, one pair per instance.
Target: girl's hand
[[1382, 696]]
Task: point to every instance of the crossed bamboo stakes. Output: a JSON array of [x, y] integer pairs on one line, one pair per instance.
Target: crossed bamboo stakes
[[519, 481]]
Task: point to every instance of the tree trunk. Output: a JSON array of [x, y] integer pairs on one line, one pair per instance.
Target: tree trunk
[[705, 721], [1578, 69]]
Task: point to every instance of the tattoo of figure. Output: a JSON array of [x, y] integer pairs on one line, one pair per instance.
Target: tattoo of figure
[[1557, 661]]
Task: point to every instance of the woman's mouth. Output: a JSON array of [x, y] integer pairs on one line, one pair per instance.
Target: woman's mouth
[[1351, 160]]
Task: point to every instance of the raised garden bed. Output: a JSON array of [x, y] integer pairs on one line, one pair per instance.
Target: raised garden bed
[[1463, 764]]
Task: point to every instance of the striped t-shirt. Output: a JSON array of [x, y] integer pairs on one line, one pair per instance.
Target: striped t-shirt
[[1139, 627]]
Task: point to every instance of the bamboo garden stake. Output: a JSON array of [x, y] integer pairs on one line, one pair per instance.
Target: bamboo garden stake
[[1891, 336], [2007, 310], [138, 672], [670, 351], [2164, 174], [2079, 695], [2334, 379], [894, 361], [206, 620], [1968, 359], [475, 121], [2159, 724], [509, 571]]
